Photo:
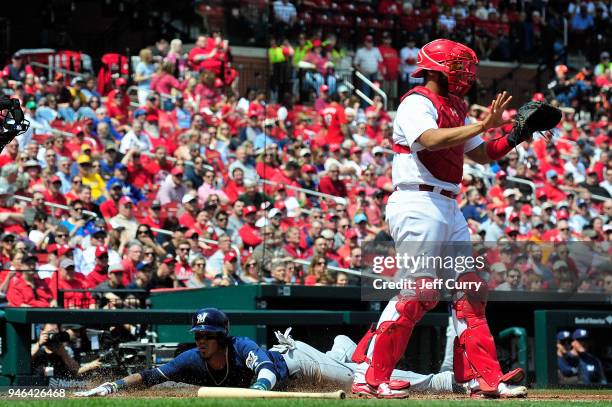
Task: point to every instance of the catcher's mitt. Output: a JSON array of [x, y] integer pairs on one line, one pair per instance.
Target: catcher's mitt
[[532, 117]]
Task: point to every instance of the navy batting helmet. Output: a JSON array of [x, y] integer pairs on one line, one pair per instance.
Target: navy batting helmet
[[210, 320]]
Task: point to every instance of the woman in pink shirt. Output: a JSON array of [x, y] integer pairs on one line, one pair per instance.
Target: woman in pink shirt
[[163, 82]]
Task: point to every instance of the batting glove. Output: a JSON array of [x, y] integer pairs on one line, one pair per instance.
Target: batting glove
[[261, 384], [102, 390]]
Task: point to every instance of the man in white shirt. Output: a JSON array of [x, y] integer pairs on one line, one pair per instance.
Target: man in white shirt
[[367, 60], [408, 64]]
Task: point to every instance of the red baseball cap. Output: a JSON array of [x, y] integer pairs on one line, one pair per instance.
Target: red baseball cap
[[563, 215], [334, 147], [230, 256], [307, 168], [316, 43], [120, 82], [509, 230], [501, 174], [101, 250], [527, 210], [55, 179], [500, 211], [280, 205], [177, 171], [351, 233], [169, 259], [541, 194], [368, 38], [323, 88], [331, 216], [249, 210], [355, 149], [513, 216]]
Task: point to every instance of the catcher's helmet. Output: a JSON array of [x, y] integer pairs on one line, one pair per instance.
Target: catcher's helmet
[[454, 59], [210, 320]]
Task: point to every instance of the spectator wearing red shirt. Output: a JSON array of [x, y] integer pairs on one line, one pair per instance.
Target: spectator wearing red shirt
[[191, 209], [110, 207], [551, 187], [28, 290], [154, 215], [10, 153], [287, 177], [203, 50], [118, 101], [390, 66], [334, 121], [159, 162], [292, 243], [182, 268], [139, 175], [163, 82], [331, 184], [249, 233], [235, 186], [99, 273], [130, 261], [68, 279]]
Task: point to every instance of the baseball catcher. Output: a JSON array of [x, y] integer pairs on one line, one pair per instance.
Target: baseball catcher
[[221, 360], [12, 120], [430, 139]]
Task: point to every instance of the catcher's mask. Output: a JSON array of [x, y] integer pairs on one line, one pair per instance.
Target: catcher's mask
[[12, 120], [456, 60]]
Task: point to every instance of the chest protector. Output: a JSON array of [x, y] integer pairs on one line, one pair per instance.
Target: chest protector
[[447, 164]]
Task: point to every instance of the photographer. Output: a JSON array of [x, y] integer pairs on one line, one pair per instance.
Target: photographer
[[52, 355]]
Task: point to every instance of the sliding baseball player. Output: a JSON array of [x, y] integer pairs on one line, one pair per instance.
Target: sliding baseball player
[[221, 360]]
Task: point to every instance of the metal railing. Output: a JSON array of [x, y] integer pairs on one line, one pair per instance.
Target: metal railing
[[376, 89], [337, 199], [55, 205]]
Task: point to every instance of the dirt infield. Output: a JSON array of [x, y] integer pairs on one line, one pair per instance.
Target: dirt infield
[[534, 394]]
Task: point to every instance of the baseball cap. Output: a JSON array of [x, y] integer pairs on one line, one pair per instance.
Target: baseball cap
[[510, 230], [116, 268], [514, 216], [168, 259], [156, 204], [316, 43], [85, 147], [55, 179], [101, 251], [188, 198], [309, 169], [331, 215], [563, 335], [355, 149], [563, 215], [551, 174], [177, 171], [580, 334], [360, 217], [120, 81], [32, 163], [230, 257], [498, 267], [120, 166], [527, 210], [327, 234], [83, 159], [323, 88], [377, 150], [509, 193], [66, 263], [6, 236], [547, 205], [351, 233], [604, 54], [368, 38], [501, 175], [559, 264], [334, 147], [273, 212], [304, 152], [541, 194], [249, 210], [500, 212], [125, 199]]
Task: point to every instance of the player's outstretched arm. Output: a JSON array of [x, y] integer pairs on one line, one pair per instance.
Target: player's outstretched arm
[[107, 388], [440, 138]]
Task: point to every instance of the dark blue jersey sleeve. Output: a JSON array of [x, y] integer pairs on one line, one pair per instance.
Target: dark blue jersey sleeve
[[177, 370], [254, 357]]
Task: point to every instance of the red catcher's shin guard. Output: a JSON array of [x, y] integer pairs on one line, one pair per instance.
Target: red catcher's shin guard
[[477, 345], [392, 338], [361, 351]]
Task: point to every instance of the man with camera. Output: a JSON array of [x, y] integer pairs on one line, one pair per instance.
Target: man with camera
[[52, 355]]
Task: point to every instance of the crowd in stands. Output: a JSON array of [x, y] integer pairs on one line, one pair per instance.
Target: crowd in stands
[[381, 38], [197, 185]]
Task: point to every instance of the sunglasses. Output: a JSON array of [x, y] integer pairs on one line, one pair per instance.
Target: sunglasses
[[206, 337], [80, 209], [149, 254], [143, 232], [61, 235], [184, 249]]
